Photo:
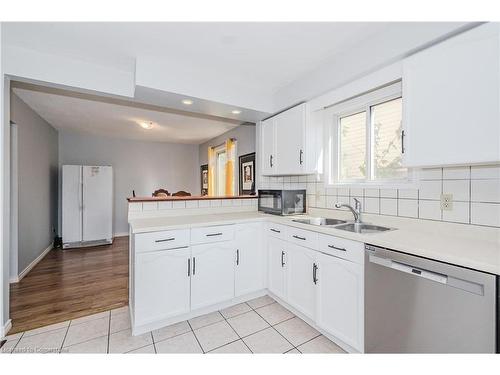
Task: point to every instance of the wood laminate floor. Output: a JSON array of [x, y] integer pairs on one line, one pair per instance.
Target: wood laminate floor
[[68, 284]]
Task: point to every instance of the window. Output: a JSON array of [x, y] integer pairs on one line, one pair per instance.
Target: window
[[220, 180], [366, 139]]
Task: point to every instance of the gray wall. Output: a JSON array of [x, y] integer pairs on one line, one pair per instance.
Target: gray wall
[[244, 134], [37, 155], [140, 166], [245, 137]]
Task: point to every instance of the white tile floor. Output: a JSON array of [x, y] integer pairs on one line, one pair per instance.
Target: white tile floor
[[257, 326]]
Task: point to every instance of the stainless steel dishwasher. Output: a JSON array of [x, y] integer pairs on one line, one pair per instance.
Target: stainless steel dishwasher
[[417, 305]]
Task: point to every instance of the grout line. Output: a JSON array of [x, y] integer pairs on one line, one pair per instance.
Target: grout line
[[153, 341], [109, 332], [65, 335], [237, 334], [293, 346], [17, 343], [198, 341]]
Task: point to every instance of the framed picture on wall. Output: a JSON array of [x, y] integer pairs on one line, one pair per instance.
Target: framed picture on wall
[[204, 179], [247, 173]]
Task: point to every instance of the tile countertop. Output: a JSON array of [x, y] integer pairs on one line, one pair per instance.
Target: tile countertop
[[463, 245]]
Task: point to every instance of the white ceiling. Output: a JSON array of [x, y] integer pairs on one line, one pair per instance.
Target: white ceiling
[[267, 54], [70, 112]]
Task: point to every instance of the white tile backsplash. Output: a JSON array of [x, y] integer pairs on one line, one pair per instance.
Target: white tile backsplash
[[388, 193], [459, 188], [431, 174], [458, 214], [485, 171], [408, 207], [485, 214], [430, 190], [456, 173], [429, 210], [179, 204], [485, 191], [388, 206], [372, 205], [192, 204], [408, 193], [164, 205], [372, 193], [150, 206]]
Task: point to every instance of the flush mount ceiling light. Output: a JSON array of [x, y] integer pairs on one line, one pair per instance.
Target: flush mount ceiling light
[[187, 101], [235, 111], [146, 125]]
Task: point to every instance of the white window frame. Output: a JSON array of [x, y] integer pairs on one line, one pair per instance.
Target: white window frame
[[351, 106]]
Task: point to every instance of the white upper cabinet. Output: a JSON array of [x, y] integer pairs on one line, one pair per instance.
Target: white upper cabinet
[[290, 140], [268, 139], [451, 100], [249, 258], [287, 143]]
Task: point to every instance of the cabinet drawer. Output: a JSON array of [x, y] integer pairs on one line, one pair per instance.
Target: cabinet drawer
[[212, 234], [167, 239], [276, 230], [302, 237], [342, 248]]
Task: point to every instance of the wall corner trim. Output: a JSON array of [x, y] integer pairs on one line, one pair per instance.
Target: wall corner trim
[[5, 328], [32, 264]]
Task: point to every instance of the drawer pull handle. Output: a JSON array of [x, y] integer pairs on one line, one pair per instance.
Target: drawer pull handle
[[214, 234], [194, 266], [237, 257], [282, 259], [189, 267], [275, 230], [315, 274], [166, 240], [299, 238], [337, 248]]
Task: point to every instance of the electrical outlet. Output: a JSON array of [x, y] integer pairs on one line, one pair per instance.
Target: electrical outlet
[[447, 202]]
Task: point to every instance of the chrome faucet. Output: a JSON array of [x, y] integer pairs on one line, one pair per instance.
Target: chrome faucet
[[356, 211]]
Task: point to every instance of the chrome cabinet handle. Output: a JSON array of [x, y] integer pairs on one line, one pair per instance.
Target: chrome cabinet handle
[[189, 267], [194, 266], [282, 259], [299, 238], [214, 234], [300, 157], [166, 240], [337, 248], [402, 141], [315, 269], [271, 160], [275, 230], [237, 257]]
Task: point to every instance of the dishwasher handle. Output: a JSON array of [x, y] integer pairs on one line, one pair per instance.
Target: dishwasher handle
[[468, 286]]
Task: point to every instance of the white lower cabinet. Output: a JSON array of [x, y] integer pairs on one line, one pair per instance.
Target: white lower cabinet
[[212, 279], [277, 258], [249, 259], [162, 284], [340, 306], [301, 279]]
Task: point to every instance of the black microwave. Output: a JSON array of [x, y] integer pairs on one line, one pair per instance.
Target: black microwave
[[282, 202]]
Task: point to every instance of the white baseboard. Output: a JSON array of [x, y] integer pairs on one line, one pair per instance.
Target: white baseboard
[[122, 234], [5, 328], [31, 265]]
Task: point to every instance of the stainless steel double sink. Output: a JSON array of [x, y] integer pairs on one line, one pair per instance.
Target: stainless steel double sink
[[343, 225]]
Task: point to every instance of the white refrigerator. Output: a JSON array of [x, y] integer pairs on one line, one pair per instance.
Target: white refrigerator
[[87, 205]]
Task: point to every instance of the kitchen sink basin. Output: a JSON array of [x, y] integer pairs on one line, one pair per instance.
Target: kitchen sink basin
[[362, 228], [320, 221]]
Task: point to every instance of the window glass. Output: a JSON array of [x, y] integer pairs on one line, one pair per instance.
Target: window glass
[[386, 140], [352, 146]]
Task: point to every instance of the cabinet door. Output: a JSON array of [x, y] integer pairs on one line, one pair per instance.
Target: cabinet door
[[340, 309], [301, 287], [290, 137], [250, 260], [277, 258], [212, 279], [162, 284], [450, 101], [268, 147]]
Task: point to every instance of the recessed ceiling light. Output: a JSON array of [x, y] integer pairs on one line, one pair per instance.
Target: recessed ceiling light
[[235, 111], [146, 125], [187, 101]]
